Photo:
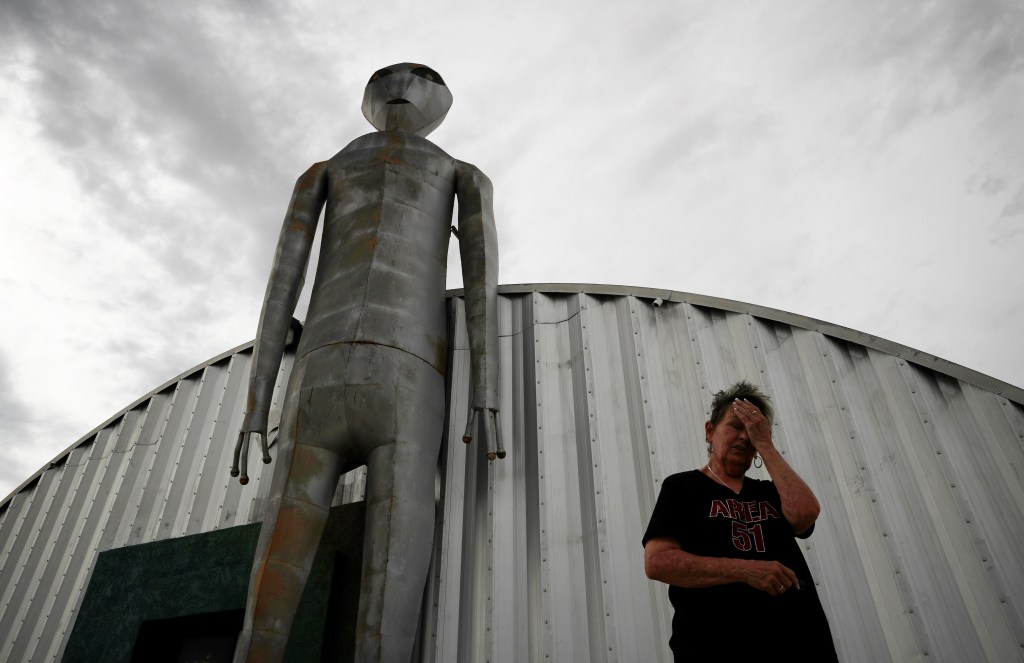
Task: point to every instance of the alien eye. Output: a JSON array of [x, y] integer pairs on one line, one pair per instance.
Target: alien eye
[[380, 74], [429, 74]]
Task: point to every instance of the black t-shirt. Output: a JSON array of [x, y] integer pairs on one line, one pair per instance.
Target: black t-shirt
[[736, 620]]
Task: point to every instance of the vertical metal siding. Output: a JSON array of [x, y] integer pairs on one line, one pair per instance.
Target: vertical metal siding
[[918, 552]]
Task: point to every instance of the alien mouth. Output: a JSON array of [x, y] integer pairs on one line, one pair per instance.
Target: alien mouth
[[398, 101]]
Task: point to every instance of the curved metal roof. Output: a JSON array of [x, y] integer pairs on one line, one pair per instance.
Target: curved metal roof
[[923, 359], [915, 460], [918, 357]]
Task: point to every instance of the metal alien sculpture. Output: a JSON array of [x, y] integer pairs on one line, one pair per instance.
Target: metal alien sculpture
[[367, 386]]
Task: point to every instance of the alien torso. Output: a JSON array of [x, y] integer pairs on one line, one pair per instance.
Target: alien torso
[[381, 272]]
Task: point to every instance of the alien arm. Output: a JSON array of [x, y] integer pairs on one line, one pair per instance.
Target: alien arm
[[286, 279], [478, 247]]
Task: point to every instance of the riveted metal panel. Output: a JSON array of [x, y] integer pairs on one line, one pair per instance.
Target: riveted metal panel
[[223, 422], [818, 416], [99, 471], [917, 463], [446, 608], [56, 508]]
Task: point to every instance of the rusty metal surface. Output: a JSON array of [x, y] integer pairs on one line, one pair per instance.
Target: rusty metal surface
[[538, 557]]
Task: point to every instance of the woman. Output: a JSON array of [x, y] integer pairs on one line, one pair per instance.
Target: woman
[[726, 545]]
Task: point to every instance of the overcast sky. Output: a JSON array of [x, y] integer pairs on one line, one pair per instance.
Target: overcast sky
[[856, 161]]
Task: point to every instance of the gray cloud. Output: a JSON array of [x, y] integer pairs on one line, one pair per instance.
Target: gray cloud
[[1015, 207], [992, 185], [167, 130], [24, 432], [637, 147], [14, 415], [1010, 224], [930, 57]]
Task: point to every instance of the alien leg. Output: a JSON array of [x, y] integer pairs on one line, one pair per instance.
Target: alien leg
[[400, 516], [305, 477]]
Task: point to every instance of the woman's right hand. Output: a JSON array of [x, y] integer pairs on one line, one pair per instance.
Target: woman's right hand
[[771, 577]]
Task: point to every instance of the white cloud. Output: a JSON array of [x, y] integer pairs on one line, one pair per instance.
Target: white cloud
[[855, 162]]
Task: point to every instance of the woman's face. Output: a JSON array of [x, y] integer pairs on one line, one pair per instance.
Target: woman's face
[[730, 447]]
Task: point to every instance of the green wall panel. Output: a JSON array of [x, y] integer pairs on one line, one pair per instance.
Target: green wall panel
[[208, 574]]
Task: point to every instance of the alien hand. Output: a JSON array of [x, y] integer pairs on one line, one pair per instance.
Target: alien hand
[[491, 429], [242, 451]]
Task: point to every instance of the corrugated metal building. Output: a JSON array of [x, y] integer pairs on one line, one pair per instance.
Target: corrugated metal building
[[918, 555]]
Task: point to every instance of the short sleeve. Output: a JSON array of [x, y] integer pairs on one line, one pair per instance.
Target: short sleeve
[[806, 533], [663, 520]]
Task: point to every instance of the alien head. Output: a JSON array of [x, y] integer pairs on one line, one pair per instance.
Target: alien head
[[406, 97]]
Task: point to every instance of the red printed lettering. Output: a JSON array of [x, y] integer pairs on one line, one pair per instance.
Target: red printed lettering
[[718, 509], [745, 538], [768, 511]]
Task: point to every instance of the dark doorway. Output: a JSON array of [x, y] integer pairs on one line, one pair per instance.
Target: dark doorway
[[207, 638]]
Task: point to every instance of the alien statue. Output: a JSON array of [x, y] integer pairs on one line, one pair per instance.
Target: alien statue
[[367, 386]]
